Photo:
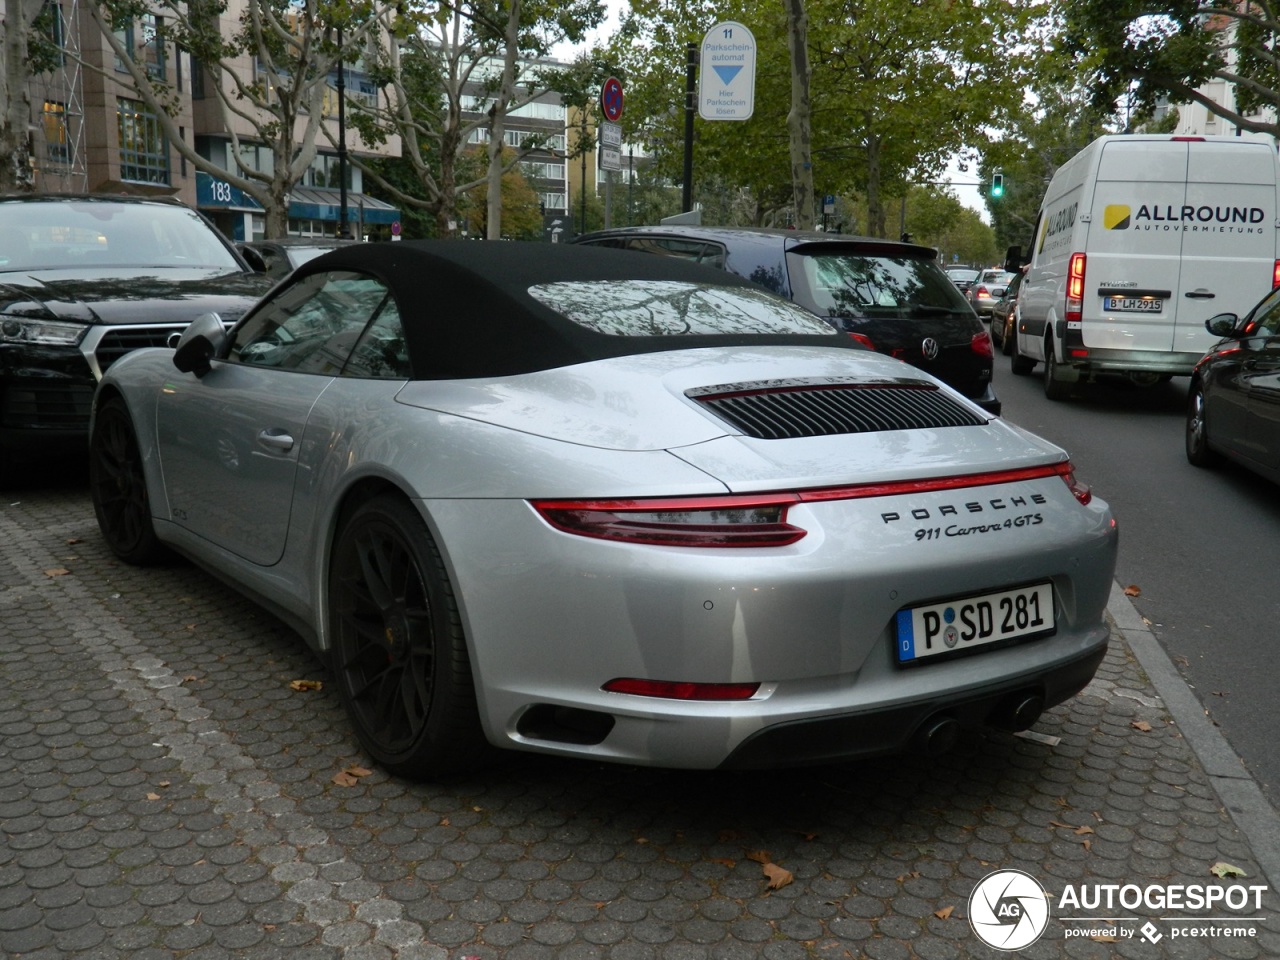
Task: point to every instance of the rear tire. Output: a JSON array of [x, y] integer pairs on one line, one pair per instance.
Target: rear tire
[[1020, 365], [1198, 450], [118, 486], [397, 645], [1054, 389]]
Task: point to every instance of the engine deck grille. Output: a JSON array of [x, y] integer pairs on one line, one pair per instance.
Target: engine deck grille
[[782, 410]]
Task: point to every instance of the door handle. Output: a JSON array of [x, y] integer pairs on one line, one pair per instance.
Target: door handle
[[1199, 294], [276, 440]]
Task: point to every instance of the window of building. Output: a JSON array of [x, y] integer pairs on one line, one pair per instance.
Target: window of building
[[143, 38], [543, 171], [552, 201], [54, 121], [54, 25], [144, 150]]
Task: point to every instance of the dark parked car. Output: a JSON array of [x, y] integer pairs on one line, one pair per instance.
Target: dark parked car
[[279, 258], [1005, 314], [83, 281], [892, 297], [1234, 396]]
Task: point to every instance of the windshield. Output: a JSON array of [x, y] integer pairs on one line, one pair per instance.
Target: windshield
[[668, 308], [853, 285], [72, 234]]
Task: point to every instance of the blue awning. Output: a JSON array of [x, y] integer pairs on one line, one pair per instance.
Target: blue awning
[[324, 203]]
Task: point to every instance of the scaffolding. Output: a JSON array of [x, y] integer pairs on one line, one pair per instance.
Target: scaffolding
[[58, 156]]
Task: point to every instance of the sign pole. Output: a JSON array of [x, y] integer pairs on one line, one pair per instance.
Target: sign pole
[[690, 104]]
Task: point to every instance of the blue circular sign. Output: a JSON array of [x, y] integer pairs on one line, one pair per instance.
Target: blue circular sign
[[611, 99]]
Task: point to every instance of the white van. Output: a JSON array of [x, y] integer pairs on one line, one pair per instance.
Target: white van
[[1141, 239]]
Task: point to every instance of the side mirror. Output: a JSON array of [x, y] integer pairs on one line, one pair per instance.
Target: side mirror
[[999, 292], [1223, 325], [201, 342], [1013, 261], [252, 257]]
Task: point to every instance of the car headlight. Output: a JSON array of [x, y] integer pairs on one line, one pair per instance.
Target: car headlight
[[22, 330]]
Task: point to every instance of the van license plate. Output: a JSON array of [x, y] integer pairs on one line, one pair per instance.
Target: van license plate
[[1132, 304], [938, 628]]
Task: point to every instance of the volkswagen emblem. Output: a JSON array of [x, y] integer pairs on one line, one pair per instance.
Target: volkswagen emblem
[[929, 347]]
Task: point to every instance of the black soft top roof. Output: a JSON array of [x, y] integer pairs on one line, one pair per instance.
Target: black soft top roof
[[467, 311]]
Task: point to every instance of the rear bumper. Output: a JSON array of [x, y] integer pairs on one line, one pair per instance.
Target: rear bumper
[[1129, 361], [849, 737]]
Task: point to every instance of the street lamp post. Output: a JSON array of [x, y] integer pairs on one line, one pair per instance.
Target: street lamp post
[[344, 230]]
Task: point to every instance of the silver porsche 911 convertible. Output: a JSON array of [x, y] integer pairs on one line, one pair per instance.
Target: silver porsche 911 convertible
[[583, 502]]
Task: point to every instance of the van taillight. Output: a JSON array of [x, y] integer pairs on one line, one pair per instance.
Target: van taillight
[[1275, 275], [1075, 288]]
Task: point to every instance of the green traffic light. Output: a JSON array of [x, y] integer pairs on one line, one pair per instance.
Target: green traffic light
[[997, 185]]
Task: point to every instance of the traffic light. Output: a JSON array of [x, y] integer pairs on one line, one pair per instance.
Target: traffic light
[[997, 185]]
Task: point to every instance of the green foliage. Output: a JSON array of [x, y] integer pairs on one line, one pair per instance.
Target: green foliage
[[896, 88], [1144, 50]]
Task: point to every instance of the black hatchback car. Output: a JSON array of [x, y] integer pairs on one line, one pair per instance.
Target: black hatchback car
[[892, 297], [84, 279]]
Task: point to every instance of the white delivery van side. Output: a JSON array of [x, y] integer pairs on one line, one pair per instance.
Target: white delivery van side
[[1140, 239]]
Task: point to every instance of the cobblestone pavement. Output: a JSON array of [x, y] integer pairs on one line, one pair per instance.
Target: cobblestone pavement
[[165, 793]]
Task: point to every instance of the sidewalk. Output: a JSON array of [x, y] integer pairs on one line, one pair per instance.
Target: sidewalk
[[165, 793]]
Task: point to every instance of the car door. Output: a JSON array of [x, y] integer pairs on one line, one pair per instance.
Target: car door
[[231, 440], [1260, 384]]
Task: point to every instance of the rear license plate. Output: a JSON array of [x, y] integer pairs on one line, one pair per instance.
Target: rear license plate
[[1132, 304], [963, 624]]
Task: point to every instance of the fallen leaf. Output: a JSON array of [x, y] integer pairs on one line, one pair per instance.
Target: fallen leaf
[[72, 541], [944, 913], [726, 862], [444, 821], [1140, 725], [1087, 844], [1081, 831], [1132, 590], [1103, 938], [164, 783], [1056, 823], [759, 856], [190, 678], [357, 771], [1224, 870], [57, 572], [153, 796], [305, 685], [778, 877], [344, 779], [642, 839]]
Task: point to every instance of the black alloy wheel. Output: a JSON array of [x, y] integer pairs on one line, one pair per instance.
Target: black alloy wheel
[[118, 486], [1198, 450], [397, 645]]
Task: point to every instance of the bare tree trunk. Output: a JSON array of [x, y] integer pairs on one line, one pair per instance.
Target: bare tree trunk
[[15, 100], [799, 122], [875, 208], [493, 213]]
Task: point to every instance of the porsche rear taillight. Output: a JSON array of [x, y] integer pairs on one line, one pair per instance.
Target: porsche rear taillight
[[1075, 288], [748, 521], [755, 520]]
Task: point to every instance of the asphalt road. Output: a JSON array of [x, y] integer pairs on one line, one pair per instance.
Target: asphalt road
[[1202, 547]]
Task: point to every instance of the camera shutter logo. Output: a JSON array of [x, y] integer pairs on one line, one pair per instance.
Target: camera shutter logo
[[1008, 910]]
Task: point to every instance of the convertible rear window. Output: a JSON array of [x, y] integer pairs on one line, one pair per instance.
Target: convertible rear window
[[672, 308]]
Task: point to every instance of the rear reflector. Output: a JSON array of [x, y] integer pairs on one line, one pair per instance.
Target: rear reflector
[[669, 690]]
